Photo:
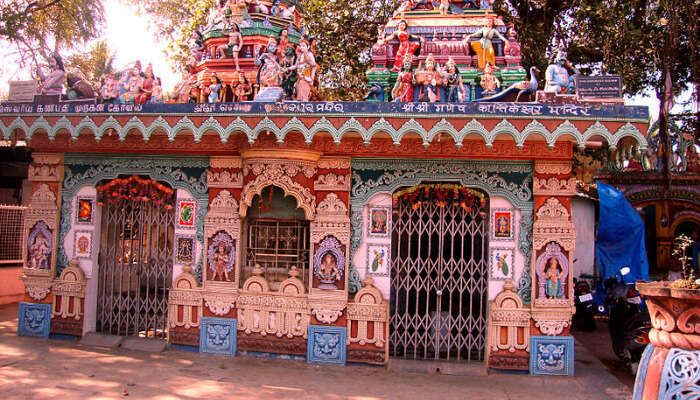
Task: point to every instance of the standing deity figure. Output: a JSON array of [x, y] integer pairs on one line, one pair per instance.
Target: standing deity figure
[[235, 40], [269, 67], [489, 82], [39, 252], [289, 76], [403, 88], [215, 19], [557, 79], [214, 89], [429, 81], [53, 82], [109, 91], [306, 73], [241, 89], [454, 87], [406, 45], [220, 260], [554, 273], [146, 87], [484, 46], [157, 94], [132, 85]]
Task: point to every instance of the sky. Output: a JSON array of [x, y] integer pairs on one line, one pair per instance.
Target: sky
[[130, 36]]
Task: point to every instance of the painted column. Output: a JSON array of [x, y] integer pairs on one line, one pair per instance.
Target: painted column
[[40, 240], [554, 239]]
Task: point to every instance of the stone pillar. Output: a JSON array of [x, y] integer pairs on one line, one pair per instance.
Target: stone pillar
[[39, 244], [554, 239]]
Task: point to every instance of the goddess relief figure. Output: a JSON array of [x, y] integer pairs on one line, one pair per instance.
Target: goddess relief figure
[[406, 45], [484, 46], [306, 72]]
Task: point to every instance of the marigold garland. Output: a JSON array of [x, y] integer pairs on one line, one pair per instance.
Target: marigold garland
[[135, 188], [441, 195]]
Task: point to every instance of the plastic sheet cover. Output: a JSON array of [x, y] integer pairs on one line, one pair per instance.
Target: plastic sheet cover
[[620, 241]]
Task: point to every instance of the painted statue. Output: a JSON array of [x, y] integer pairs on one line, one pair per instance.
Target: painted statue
[[484, 46], [235, 40], [269, 68], [39, 252], [146, 87], [157, 94], [407, 46], [130, 84], [403, 88], [289, 74], [454, 88], [109, 91], [489, 82], [214, 89], [375, 93], [52, 83], [557, 79], [221, 259], [306, 73], [242, 89], [429, 81], [554, 274]]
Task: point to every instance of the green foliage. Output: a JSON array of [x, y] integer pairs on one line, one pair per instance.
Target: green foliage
[[345, 32], [175, 21], [34, 29], [93, 65]]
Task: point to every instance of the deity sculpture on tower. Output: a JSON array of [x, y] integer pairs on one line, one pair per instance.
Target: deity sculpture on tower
[[407, 43], [483, 47]]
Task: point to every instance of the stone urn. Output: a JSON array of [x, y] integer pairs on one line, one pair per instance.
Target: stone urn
[[670, 365]]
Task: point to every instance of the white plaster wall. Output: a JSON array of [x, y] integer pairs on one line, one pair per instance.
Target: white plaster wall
[[89, 266], [496, 286], [583, 213], [384, 283]]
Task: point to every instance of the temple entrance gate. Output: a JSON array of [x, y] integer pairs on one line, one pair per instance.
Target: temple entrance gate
[[135, 268], [439, 280]]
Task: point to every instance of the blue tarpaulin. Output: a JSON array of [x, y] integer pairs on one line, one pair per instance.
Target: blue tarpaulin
[[620, 241]]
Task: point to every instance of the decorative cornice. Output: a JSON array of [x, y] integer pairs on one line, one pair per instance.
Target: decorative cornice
[[224, 179], [332, 182], [226, 162], [553, 167], [350, 126], [554, 186]]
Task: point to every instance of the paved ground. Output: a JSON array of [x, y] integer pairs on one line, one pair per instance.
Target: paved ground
[[48, 369]]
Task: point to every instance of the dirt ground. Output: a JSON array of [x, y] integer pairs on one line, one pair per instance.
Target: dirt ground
[[60, 369], [599, 344]]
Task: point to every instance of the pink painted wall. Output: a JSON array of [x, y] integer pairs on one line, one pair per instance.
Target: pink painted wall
[[11, 288]]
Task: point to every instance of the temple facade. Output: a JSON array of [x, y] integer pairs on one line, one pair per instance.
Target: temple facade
[[329, 232]]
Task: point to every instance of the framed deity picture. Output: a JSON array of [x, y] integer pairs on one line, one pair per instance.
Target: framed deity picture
[[186, 213], [501, 263], [184, 249], [502, 224], [378, 259], [379, 222], [85, 211], [82, 247]]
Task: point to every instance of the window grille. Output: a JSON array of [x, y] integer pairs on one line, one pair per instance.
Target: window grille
[[277, 245], [11, 234]]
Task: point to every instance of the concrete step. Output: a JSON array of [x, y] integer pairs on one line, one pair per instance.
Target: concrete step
[[143, 344], [458, 368], [101, 340]]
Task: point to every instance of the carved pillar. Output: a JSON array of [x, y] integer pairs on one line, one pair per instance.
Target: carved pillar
[[509, 331], [69, 301], [39, 243], [185, 310], [554, 238]]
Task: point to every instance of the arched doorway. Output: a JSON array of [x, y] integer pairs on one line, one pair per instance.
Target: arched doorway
[[135, 257], [277, 237], [439, 273]]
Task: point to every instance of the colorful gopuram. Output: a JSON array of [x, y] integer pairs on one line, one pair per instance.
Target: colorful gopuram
[[329, 232]]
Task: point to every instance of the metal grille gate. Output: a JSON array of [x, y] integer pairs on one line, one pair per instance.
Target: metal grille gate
[[135, 259], [439, 280]]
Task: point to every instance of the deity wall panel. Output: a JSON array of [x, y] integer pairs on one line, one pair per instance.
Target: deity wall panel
[[40, 236], [554, 239]]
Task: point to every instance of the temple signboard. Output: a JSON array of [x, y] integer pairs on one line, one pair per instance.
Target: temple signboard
[[599, 87], [22, 91]]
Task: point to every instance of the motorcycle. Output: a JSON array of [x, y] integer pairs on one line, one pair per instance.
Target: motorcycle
[[585, 306], [629, 322]]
